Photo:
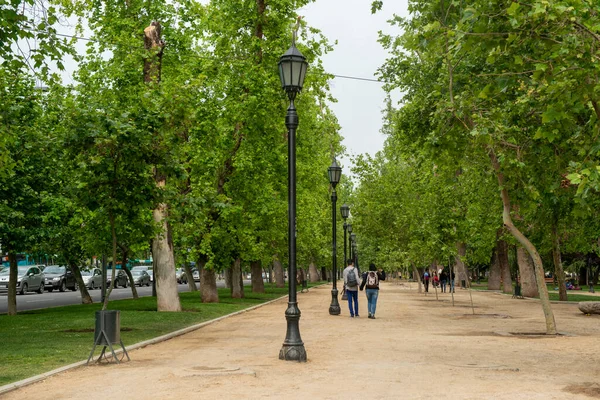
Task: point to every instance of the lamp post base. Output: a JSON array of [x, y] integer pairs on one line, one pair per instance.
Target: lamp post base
[[334, 308], [293, 347]]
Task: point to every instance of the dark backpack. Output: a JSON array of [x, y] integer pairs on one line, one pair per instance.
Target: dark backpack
[[352, 281], [372, 280]]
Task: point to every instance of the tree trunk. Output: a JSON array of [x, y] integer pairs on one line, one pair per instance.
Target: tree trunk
[[494, 278], [278, 270], [271, 278], [228, 278], [114, 260], [459, 265], [258, 285], [124, 261], [12, 282], [502, 253], [167, 295], [526, 274], [237, 284], [558, 268], [190, 277], [85, 295], [324, 274], [300, 277], [313, 273], [208, 282], [537, 260], [417, 277]]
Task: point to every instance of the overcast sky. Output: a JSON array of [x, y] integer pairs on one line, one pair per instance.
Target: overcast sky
[[357, 53]]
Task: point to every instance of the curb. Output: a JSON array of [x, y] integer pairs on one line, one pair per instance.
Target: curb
[[28, 381]]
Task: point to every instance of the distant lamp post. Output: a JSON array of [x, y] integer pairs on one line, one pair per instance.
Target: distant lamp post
[[335, 173], [345, 211], [292, 70], [352, 245]]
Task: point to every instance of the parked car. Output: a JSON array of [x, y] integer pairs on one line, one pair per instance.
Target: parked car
[[29, 278], [196, 275], [180, 275], [141, 268], [92, 278], [120, 278], [140, 278], [59, 277], [151, 274]]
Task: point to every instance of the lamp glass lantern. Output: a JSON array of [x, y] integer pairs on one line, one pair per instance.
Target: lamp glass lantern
[[335, 173], [350, 231], [292, 70], [345, 211]]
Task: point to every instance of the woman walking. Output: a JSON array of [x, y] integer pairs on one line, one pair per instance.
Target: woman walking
[[370, 280]]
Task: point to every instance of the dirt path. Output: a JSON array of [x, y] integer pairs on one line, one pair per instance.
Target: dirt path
[[418, 348]]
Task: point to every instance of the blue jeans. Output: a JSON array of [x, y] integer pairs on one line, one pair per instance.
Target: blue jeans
[[352, 298], [372, 295], [443, 284]]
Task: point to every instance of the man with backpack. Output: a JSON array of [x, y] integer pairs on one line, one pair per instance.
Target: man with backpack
[[426, 280], [370, 280], [351, 284]]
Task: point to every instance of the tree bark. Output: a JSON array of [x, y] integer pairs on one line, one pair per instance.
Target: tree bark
[[114, 260], [167, 295], [228, 278], [494, 278], [278, 270], [502, 253], [558, 268], [85, 295], [237, 284], [526, 274], [208, 282], [258, 285], [313, 273], [12, 282], [124, 260], [190, 277], [537, 260], [459, 265], [417, 277]]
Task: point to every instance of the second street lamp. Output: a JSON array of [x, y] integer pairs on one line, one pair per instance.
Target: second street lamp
[[292, 69], [345, 211], [335, 173]]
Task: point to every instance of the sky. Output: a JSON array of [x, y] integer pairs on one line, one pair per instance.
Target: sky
[[357, 53]]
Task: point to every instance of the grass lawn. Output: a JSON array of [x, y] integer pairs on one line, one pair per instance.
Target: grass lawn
[[38, 341], [572, 295]]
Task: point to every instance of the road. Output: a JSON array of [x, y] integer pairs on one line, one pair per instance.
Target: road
[[34, 301]]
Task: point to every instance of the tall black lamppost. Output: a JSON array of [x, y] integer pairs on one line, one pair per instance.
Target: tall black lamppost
[[345, 211], [335, 173], [292, 70], [353, 247]]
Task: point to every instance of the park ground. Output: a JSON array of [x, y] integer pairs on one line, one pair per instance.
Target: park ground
[[419, 347]]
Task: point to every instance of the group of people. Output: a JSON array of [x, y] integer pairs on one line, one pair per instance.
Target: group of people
[[369, 281], [444, 280]]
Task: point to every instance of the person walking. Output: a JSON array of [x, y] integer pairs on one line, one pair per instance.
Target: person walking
[[351, 283], [426, 280], [443, 280], [370, 280]]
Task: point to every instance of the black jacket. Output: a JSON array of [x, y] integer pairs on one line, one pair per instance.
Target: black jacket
[[380, 276]]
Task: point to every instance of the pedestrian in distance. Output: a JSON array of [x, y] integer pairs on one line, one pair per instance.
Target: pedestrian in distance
[[370, 280], [443, 280], [351, 283], [426, 280]]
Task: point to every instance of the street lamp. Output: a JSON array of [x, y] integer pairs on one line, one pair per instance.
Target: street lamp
[[353, 246], [345, 211], [292, 70], [335, 173]]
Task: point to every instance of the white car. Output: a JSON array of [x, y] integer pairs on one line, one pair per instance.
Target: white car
[[92, 278], [29, 278]]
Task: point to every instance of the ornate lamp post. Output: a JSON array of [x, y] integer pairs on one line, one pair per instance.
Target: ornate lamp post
[[353, 246], [292, 70], [335, 173], [345, 211]]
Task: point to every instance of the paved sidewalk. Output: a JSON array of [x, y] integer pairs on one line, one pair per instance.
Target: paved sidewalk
[[417, 348]]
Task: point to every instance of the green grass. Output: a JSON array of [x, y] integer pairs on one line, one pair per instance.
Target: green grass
[[38, 341]]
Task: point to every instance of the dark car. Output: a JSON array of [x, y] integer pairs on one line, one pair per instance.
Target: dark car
[[59, 277], [120, 278], [140, 278]]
